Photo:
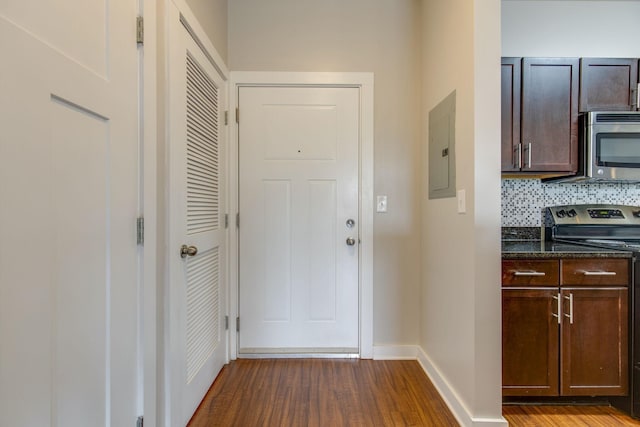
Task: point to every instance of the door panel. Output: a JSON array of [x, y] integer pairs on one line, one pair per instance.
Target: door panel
[[530, 342], [510, 107], [549, 128], [608, 84], [69, 191], [595, 342], [197, 298], [298, 182], [56, 24]]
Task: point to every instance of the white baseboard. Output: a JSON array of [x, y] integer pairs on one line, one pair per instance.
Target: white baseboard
[[451, 398], [395, 352]]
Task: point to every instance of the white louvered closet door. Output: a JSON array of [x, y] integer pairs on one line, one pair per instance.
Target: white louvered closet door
[[197, 289]]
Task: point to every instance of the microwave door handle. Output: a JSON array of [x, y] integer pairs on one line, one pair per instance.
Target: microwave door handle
[[638, 96]]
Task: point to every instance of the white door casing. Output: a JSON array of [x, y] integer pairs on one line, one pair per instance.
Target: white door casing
[[298, 183], [365, 83], [197, 184], [69, 199]]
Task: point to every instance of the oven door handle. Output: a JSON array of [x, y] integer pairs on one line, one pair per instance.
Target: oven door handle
[[598, 273]]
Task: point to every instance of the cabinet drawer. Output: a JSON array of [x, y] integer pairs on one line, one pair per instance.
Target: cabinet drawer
[[529, 272], [595, 271]]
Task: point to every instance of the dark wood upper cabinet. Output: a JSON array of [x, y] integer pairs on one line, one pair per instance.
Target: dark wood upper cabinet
[[608, 84], [549, 116], [510, 103]]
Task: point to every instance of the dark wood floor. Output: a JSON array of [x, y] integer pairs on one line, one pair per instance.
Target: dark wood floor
[[566, 416], [325, 392], [322, 392]]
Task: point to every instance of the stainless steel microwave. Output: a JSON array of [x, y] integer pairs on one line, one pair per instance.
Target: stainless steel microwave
[[609, 147]]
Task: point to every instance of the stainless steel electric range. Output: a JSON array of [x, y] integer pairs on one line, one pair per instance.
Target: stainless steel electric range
[[611, 227]]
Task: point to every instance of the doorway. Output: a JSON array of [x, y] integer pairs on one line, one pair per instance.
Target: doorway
[[298, 315]]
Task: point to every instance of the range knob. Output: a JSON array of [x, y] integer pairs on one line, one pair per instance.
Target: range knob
[[636, 214], [561, 213], [572, 213]]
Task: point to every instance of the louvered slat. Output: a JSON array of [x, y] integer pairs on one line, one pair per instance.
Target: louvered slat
[[202, 151], [203, 324]]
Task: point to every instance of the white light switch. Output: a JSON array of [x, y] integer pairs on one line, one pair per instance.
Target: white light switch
[[462, 202], [381, 204]]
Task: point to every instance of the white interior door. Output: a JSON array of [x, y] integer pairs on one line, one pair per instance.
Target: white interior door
[[197, 300], [298, 235], [68, 206]]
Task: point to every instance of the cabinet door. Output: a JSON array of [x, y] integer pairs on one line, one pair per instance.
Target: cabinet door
[[550, 114], [594, 342], [510, 103], [608, 83], [530, 342]]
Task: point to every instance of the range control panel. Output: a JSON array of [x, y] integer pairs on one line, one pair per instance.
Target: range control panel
[[606, 213], [595, 214]]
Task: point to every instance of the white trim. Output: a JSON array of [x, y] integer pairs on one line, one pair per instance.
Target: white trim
[[395, 352], [364, 81], [453, 401], [150, 286], [201, 37]]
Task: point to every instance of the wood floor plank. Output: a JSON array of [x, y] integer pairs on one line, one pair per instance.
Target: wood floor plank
[[565, 416], [322, 392]]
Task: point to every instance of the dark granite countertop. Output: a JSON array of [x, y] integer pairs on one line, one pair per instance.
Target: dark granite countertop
[[540, 249]]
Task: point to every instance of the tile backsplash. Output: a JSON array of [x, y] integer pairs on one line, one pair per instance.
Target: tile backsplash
[[524, 200]]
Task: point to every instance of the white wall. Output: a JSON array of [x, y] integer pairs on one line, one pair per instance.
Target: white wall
[[571, 28], [381, 36], [212, 16], [460, 305]]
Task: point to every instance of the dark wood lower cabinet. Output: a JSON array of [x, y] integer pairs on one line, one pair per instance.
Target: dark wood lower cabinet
[[565, 334], [594, 342], [529, 342]]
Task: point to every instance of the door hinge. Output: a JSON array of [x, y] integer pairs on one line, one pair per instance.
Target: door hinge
[[237, 324], [139, 30], [226, 220], [237, 115], [140, 230], [238, 220], [140, 422], [226, 117], [226, 323]]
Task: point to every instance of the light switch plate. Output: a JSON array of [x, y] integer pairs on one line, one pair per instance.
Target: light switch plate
[[381, 204], [462, 202]]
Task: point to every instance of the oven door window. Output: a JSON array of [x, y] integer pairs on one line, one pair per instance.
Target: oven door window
[[618, 150]]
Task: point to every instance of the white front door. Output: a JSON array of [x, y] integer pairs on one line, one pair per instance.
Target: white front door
[[68, 206], [299, 220], [197, 235]]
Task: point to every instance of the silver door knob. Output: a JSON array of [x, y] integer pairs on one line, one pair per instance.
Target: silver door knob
[[351, 241], [350, 223], [186, 251]]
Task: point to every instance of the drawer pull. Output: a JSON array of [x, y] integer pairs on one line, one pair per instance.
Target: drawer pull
[[529, 273], [598, 273]]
